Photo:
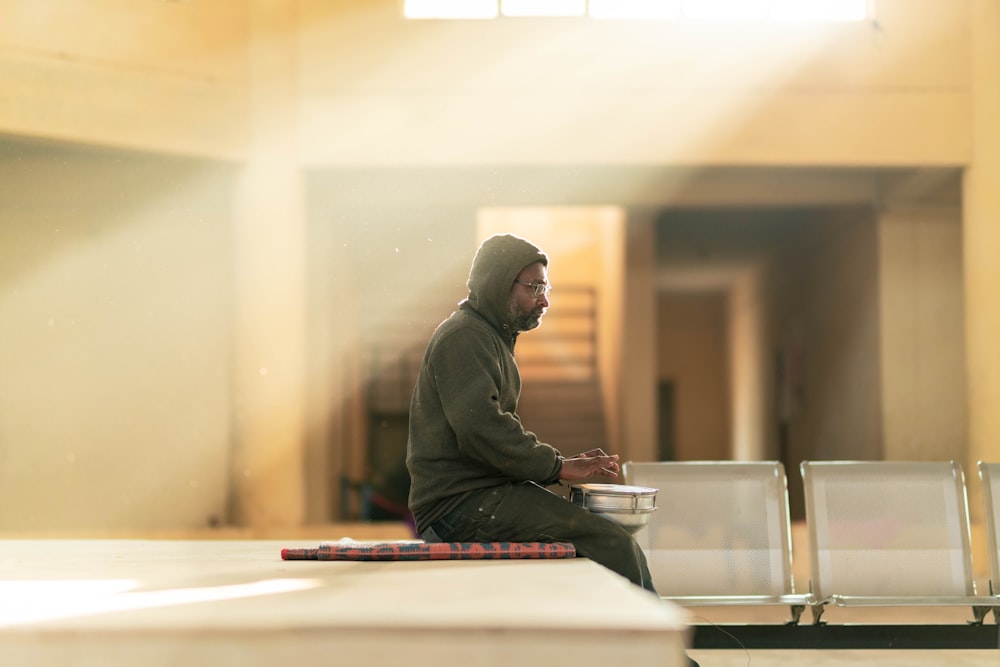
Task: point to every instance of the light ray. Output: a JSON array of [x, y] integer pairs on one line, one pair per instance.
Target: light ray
[[27, 602]]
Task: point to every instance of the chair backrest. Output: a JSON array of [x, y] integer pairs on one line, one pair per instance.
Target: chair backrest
[[888, 529], [720, 528], [989, 475]]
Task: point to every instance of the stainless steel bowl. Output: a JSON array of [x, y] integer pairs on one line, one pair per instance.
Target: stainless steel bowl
[[629, 506]]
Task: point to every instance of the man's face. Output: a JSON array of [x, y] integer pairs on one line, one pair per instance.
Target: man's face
[[525, 310]]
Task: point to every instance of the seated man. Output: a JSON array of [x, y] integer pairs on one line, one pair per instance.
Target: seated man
[[476, 474]]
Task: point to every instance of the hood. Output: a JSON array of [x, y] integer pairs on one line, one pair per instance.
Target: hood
[[496, 264]]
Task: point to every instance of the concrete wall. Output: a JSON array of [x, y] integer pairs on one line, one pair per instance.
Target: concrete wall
[[751, 366], [922, 347], [827, 325], [378, 90], [529, 92], [692, 332], [169, 77], [115, 341]]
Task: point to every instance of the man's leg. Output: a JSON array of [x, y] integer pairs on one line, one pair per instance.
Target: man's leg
[[527, 512]]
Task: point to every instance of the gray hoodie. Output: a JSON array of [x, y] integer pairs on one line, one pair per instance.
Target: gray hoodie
[[464, 430]]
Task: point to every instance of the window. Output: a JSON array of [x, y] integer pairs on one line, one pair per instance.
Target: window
[[543, 7], [450, 9], [635, 9], [715, 10]]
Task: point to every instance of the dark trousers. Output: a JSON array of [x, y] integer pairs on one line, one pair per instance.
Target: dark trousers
[[527, 512]]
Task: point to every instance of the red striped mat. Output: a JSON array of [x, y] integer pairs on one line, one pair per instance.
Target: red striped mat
[[418, 550]]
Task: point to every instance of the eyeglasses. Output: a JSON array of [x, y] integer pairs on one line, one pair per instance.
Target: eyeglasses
[[538, 289]]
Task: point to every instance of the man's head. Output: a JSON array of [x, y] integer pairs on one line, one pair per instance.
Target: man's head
[[529, 297], [501, 263]]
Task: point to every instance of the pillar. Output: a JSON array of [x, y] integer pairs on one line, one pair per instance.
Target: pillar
[[270, 284], [639, 419], [981, 244]]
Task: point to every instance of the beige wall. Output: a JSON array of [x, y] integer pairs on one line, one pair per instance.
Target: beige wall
[[751, 366], [169, 77], [922, 347], [623, 92], [980, 238], [521, 92], [269, 280], [384, 272], [691, 348], [115, 342], [639, 419], [827, 323], [834, 308]]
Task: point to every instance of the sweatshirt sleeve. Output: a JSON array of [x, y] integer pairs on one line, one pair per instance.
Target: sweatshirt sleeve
[[474, 395]]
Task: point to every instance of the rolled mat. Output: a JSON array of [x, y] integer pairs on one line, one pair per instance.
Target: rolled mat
[[417, 550]]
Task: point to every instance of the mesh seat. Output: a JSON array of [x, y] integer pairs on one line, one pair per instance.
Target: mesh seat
[[989, 475], [721, 533], [890, 534]]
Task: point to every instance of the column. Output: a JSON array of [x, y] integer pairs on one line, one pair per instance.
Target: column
[[270, 283], [981, 244], [639, 418]]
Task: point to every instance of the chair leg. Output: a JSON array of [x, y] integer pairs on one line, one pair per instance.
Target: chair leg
[[979, 614], [796, 610], [817, 613]]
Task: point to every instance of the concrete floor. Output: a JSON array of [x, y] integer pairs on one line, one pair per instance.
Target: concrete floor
[[838, 658], [894, 658]]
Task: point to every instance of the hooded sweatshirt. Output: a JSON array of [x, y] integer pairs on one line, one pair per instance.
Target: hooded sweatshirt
[[464, 431]]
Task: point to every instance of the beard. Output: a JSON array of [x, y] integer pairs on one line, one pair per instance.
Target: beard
[[523, 320]]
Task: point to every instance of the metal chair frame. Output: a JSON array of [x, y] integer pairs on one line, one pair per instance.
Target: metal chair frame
[[989, 477], [691, 502], [849, 513]]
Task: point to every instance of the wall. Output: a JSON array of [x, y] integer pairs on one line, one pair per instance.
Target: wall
[[751, 353], [639, 420], [922, 348], [827, 321], [115, 338], [384, 272], [691, 348], [163, 76], [522, 92], [622, 92], [612, 321]]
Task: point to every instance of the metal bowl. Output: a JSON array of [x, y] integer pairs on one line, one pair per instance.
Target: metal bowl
[[629, 506]]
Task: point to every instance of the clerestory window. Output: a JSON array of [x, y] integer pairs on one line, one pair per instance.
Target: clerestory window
[[716, 10]]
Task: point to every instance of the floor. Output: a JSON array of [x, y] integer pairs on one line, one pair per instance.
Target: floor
[[831, 658], [894, 658]]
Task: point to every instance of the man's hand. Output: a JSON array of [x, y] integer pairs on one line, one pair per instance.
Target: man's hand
[[594, 462]]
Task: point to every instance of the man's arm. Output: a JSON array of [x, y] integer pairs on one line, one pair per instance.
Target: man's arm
[[470, 388]]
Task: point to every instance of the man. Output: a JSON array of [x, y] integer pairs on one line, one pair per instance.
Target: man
[[476, 474]]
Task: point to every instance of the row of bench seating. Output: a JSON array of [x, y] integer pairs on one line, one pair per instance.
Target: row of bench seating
[[879, 533]]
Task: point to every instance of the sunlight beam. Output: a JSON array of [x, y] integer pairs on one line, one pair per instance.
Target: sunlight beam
[[27, 602]]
